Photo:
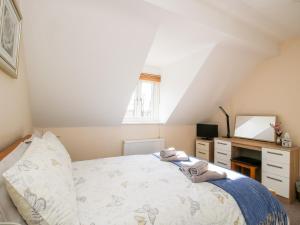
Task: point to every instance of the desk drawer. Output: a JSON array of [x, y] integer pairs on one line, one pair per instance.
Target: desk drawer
[[200, 145], [274, 155], [223, 145], [222, 162], [276, 183], [280, 169], [202, 155], [223, 154]]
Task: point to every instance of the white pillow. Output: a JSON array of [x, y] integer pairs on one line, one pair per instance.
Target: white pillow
[[54, 143], [41, 186], [7, 209]]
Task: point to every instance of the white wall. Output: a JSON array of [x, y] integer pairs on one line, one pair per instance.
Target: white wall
[[15, 114], [272, 89], [152, 70], [94, 142]]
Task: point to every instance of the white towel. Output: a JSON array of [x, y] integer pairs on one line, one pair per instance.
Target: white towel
[[180, 156], [167, 153], [207, 176], [195, 169]]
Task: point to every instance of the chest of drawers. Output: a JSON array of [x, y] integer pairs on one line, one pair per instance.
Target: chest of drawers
[[204, 150], [222, 153], [279, 165], [276, 171]]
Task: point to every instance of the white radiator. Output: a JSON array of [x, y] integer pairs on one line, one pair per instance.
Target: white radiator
[[141, 147]]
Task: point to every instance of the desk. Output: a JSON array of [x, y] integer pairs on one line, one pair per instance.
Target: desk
[[280, 166]]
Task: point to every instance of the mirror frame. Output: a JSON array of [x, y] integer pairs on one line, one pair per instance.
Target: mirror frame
[[268, 115]]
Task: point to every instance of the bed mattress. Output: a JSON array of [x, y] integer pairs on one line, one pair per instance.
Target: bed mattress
[[141, 190]]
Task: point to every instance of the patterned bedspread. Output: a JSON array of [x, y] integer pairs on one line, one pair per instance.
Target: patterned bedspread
[[140, 190]]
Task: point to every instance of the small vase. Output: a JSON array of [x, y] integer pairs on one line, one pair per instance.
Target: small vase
[[278, 140]]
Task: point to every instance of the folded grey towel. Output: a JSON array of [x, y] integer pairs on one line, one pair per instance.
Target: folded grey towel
[[167, 153], [180, 156], [206, 176], [195, 169]]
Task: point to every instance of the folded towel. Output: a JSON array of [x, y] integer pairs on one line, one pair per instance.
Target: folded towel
[[209, 175], [167, 153], [180, 156], [195, 169]]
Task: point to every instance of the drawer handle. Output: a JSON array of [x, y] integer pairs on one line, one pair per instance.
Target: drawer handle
[[221, 153], [273, 153], [222, 163], [203, 153], [274, 179], [221, 143], [271, 165]]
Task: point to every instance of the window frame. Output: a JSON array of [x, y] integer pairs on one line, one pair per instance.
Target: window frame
[[155, 100]]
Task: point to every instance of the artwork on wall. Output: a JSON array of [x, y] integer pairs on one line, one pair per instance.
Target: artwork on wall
[[10, 31]]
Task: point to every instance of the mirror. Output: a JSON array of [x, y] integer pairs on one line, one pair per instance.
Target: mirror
[[255, 127]]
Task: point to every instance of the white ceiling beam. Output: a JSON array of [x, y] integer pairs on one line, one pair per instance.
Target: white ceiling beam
[[246, 13], [218, 20]]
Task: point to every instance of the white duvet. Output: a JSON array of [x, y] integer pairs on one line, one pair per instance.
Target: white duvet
[[140, 190]]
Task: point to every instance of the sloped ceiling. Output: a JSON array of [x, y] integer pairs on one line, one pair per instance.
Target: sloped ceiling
[[179, 37], [196, 55], [215, 81], [179, 76], [278, 18], [218, 20], [83, 58]]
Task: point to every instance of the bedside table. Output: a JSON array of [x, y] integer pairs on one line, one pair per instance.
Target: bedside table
[[205, 150]]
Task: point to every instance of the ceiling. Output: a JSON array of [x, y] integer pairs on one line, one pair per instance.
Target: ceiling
[[278, 18], [177, 38], [83, 61], [285, 13]]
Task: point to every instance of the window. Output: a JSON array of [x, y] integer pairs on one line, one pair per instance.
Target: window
[[144, 103]]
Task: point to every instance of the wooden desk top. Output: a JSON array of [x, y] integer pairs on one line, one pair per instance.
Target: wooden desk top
[[256, 145], [204, 140]]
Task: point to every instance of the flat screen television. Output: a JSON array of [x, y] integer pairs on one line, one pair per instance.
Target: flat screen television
[[207, 131]]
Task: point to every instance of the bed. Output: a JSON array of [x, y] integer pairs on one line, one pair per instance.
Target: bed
[[140, 190]]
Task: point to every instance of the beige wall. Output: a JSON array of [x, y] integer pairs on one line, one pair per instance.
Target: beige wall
[[15, 115], [273, 88], [94, 142]]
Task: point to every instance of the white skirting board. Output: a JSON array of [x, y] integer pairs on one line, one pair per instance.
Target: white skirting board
[[143, 146]]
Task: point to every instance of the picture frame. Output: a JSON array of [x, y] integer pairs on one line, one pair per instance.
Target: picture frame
[[10, 35]]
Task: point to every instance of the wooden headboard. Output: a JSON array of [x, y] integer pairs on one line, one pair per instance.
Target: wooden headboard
[[12, 147]]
